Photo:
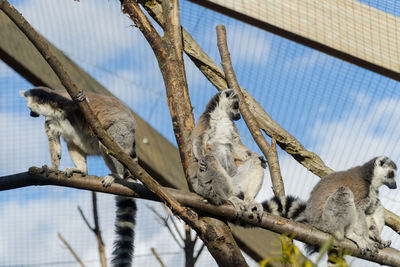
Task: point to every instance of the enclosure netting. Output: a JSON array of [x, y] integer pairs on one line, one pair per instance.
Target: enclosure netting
[[342, 112]]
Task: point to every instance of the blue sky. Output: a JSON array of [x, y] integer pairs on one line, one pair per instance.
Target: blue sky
[[344, 113]]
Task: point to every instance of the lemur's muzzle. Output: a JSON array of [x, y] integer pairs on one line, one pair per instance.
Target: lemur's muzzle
[[34, 114], [391, 184], [236, 117]]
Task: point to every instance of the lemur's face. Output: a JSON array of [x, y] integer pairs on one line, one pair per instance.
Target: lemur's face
[[231, 100], [36, 108], [384, 172]]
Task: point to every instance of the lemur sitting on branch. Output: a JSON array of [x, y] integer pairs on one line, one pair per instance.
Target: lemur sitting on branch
[[344, 204], [223, 169]]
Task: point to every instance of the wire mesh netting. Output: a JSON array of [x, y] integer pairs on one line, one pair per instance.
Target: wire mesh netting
[[342, 112]]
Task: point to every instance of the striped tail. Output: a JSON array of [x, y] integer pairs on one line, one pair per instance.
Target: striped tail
[[288, 207], [125, 230]]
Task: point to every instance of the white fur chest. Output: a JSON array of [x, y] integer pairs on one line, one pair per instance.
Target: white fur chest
[[75, 135], [221, 131]]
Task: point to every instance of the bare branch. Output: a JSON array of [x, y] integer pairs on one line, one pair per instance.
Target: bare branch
[[198, 253], [157, 257], [70, 250], [301, 232], [168, 51], [270, 154], [285, 140], [164, 222], [84, 219], [97, 232]]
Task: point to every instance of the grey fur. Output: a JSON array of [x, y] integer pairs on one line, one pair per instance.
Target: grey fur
[[222, 168], [64, 119], [345, 203]]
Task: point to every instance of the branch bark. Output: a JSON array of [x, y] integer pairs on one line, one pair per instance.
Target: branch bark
[[269, 153], [226, 252], [285, 140], [301, 232]]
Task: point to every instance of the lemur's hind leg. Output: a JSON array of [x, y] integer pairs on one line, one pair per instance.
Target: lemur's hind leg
[[341, 219], [79, 159], [124, 138], [215, 184], [375, 223], [247, 183]]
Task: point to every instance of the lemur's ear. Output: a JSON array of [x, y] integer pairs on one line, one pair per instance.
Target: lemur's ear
[[22, 93]]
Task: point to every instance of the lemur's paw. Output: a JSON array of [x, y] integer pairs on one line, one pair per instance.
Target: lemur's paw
[[69, 171], [263, 162], [240, 207], [382, 244], [50, 169], [255, 209], [108, 180]]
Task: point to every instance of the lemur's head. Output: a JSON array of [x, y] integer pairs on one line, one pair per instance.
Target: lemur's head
[[383, 172], [229, 101], [43, 101]]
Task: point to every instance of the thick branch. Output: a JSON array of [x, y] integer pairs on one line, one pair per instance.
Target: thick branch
[[301, 232], [285, 140], [270, 154], [168, 51]]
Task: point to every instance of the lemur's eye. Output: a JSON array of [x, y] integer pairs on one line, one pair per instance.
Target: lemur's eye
[[381, 163], [228, 93], [391, 174], [236, 105]]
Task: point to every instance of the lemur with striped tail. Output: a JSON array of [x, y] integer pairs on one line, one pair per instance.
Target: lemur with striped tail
[[63, 118], [345, 204]]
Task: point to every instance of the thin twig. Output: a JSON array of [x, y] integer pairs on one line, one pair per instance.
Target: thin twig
[[70, 250], [97, 232], [276, 177], [84, 219], [198, 253], [157, 257], [164, 222]]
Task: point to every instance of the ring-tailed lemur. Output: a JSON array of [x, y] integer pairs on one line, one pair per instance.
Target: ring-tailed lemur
[[345, 203], [63, 118], [223, 169]]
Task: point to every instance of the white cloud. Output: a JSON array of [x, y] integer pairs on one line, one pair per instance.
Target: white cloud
[[89, 30]]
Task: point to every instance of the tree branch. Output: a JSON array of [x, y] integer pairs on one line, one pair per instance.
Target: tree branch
[[97, 232], [157, 257], [164, 222], [85, 220], [301, 232], [270, 154], [285, 140], [71, 250]]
